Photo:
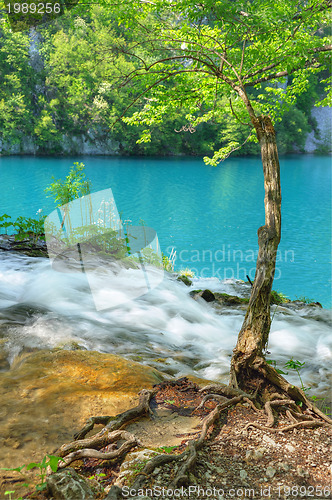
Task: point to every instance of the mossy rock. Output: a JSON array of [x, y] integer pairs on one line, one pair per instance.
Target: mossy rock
[[230, 300], [184, 280], [278, 298], [221, 298]]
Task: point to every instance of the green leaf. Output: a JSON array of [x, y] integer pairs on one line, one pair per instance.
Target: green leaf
[[54, 462], [18, 469]]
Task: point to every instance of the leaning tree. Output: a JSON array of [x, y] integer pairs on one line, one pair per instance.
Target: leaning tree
[[245, 58]]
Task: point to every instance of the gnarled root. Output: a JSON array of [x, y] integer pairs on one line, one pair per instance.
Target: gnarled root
[[287, 395], [82, 448], [130, 442]]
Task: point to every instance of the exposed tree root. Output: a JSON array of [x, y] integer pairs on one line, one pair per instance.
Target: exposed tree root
[[225, 390], [113, 431], [130, 442], [268, 409], [307, 423], [106, 436], [281, 388]]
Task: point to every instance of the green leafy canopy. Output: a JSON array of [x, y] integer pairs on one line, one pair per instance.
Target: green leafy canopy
[[239, 58]]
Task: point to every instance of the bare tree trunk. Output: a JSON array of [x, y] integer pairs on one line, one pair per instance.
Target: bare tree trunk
[[255, 330]]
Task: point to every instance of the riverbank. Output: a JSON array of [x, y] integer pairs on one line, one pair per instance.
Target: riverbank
[[49, 393]]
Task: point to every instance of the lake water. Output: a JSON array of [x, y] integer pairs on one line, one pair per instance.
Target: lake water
[[210, 216]]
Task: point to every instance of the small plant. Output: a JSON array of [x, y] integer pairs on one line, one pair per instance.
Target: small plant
[[295, 364], [320, 403], [53, 463], [167, 264], [9, 493], [278, 298], [304, 299], [187, 272], [274, 364], [169, 402], [4, 223], [75, 185], [27, 227], [166, 449], [97, 476]]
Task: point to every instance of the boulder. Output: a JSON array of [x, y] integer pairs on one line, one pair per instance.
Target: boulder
[[68, 485]]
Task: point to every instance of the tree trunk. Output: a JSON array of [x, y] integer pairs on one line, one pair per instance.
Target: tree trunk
[[254, 333]]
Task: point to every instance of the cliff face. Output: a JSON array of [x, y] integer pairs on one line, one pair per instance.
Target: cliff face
[[321, 142], [82, 145]]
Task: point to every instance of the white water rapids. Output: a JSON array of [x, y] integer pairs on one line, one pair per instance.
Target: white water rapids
[[166, 328]]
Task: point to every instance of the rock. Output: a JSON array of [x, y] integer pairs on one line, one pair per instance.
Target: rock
[[255, 454], [132, 465], [184, 280], [4, 355], [270, 472], [48, 395], [269, 441], [115, 493], [283, 466], [230, 300], [243, 474], [68, 485], [290, 448], [207, 295], [302, 472], [28, 246]]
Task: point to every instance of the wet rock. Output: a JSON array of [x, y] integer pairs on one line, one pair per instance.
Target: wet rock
[[207, 295], [230, 300], [184, 280], [28, 246], [68, 485], [4, 355]]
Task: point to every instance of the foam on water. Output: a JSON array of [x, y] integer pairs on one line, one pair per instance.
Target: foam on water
[[166, 323]]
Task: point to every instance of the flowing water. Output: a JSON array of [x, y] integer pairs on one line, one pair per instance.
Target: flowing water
[[166, 328], [206, 214]]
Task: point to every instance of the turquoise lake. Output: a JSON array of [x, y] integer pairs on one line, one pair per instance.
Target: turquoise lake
[[210, 216]]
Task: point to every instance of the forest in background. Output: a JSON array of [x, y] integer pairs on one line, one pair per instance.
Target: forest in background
[[63, 80]]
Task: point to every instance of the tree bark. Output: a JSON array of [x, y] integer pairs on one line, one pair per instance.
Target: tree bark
[[255, 330]]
